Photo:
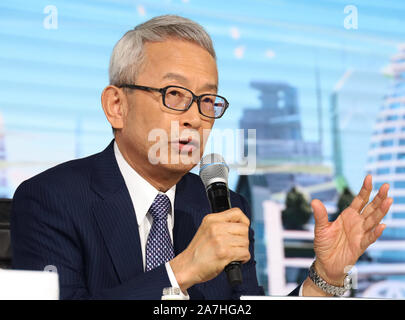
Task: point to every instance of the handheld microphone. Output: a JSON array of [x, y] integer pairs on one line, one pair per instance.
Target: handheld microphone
[[214, 175]]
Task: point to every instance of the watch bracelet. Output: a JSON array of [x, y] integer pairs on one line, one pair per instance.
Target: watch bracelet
[[323, 285]]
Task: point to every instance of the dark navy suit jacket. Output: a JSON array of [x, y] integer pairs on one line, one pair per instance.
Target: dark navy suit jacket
[[79, 217]]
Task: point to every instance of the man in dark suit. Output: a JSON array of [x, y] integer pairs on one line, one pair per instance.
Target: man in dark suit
[[131, 220]]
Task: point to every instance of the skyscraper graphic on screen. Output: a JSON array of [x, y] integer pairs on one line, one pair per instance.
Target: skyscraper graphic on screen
[[3, 169], [284, 160], [386, 157]]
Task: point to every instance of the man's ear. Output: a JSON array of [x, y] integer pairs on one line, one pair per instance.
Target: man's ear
[[114, 104]]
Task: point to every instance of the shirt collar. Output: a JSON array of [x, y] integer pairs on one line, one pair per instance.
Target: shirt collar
[[142, 193]]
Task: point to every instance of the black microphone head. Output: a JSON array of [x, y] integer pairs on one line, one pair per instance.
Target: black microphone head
[[213, 168]]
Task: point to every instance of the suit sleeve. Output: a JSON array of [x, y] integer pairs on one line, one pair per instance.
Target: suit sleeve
[[43, 234], [296, 291]]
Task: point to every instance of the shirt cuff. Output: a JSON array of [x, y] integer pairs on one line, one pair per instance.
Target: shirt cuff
[[301, 289], [174, 283]]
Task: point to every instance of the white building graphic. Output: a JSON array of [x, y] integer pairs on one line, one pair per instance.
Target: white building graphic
[[386, 157], [386, 162]]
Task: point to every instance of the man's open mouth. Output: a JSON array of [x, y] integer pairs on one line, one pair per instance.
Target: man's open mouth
[[187, 145]]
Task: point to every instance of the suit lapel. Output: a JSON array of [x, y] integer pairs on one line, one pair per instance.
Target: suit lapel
[[115, 216], [190, 206]]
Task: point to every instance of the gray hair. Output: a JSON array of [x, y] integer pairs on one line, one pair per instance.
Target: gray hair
[[128, 54]]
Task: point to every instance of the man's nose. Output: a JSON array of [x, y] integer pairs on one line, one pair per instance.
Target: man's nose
[[192, 117]]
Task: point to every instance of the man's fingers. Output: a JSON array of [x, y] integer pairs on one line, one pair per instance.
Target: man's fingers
[[236, 215], [378, 199], [363, 196], [237, 229], [230, 228], [231, 215], [240, 254], [230, 247], [239, 241], [320, 214], [372, 236], [377, 215]]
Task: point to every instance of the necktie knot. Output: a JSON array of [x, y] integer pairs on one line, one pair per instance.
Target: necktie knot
[[160, 207]]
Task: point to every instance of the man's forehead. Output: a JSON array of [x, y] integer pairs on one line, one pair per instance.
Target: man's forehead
[[183, 79], [181, 61]]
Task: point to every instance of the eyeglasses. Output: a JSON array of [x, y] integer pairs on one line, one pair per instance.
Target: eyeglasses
[[181, 99]]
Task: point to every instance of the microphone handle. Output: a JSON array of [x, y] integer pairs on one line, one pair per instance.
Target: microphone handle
[[218, 195]]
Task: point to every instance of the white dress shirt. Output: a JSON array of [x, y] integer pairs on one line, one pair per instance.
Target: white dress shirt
[[143, 194]]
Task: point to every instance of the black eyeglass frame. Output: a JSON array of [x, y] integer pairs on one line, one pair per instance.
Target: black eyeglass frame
[[195, 97]]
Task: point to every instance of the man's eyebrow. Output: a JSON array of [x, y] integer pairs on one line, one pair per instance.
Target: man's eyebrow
[[209, 87], [184, 80], [175, 76]]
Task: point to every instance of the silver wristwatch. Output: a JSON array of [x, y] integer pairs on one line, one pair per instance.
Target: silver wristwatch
[[326, 287]]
